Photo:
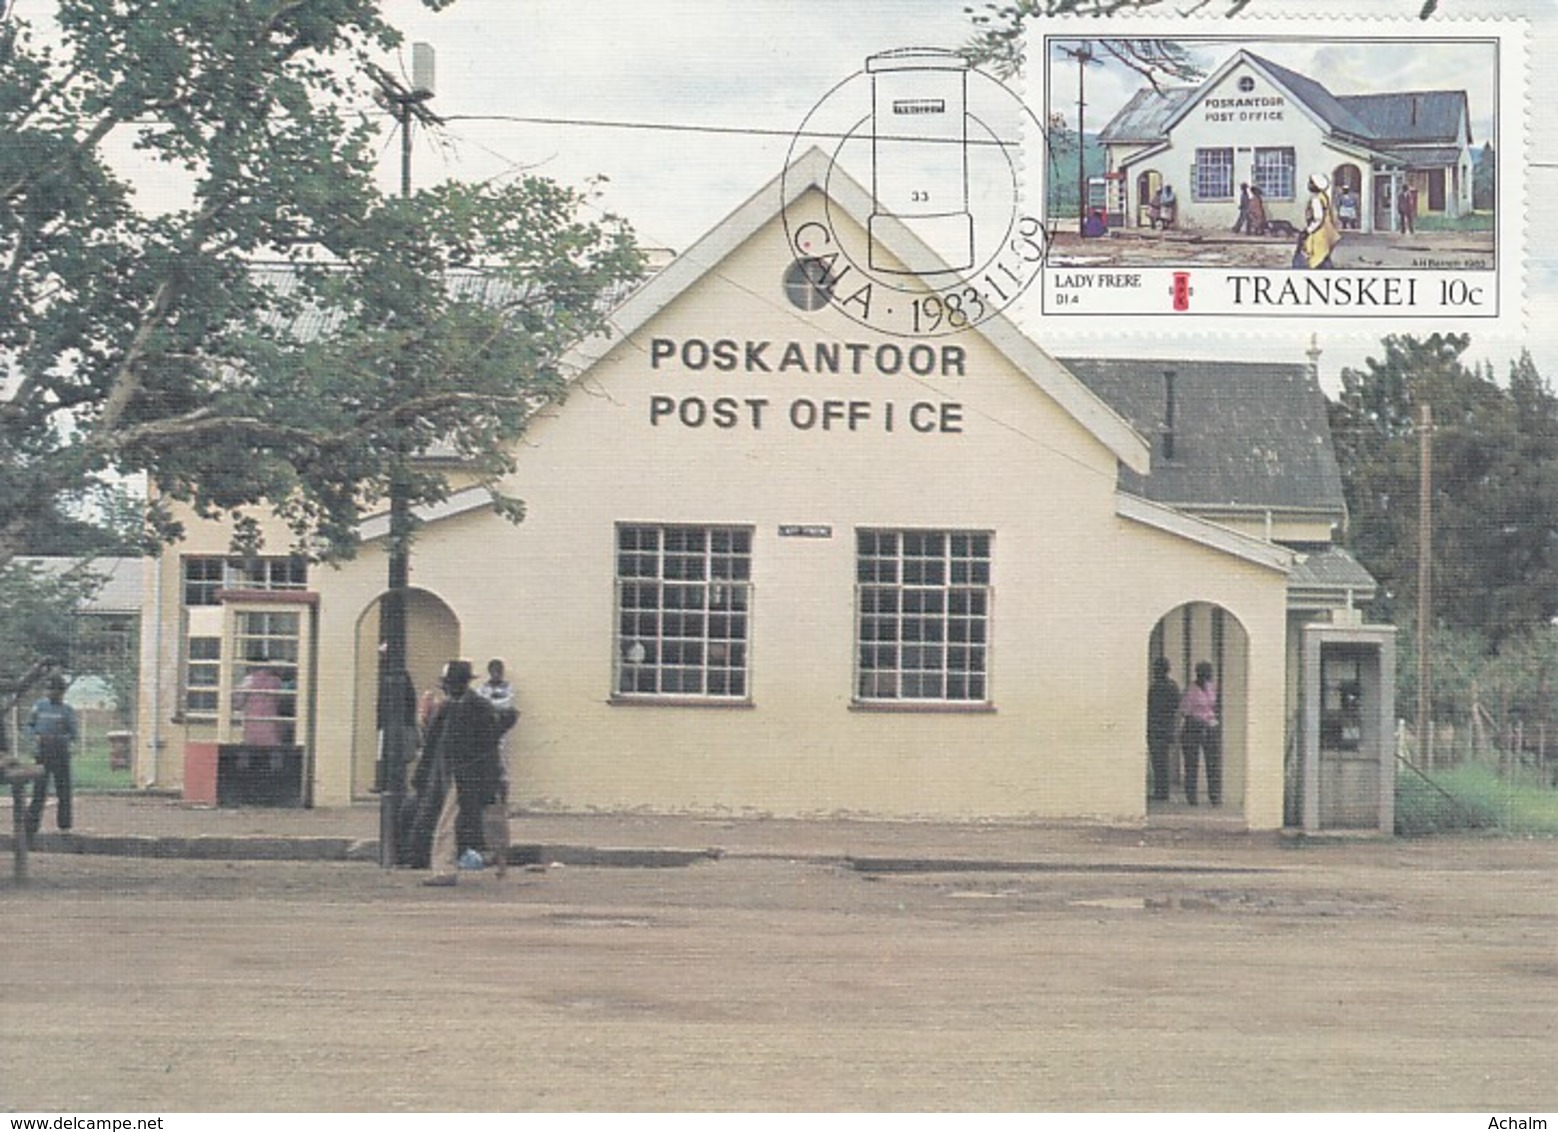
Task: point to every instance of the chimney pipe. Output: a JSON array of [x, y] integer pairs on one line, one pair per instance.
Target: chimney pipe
[[1169, 407]]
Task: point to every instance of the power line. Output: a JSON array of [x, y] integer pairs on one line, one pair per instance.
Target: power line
[[687, 128]]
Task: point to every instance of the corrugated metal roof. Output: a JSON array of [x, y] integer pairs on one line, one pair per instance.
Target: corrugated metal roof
[[1380, 119], [122, 580], [1428, 156], [1410, 116], [1142, 118], [1331, 568], [1312, 94], [1246, 434]]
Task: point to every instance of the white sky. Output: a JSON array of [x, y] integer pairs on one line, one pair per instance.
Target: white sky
[[750, 71]]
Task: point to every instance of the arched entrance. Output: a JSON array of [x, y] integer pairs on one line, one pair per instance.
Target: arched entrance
[[432, 637], [1346, 195], [1186, 636], [1148, 182], [1348, 178]]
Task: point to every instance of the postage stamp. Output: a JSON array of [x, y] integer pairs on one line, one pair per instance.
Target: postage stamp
[[1351, 170]]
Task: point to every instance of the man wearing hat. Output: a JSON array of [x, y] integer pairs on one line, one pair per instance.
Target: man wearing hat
[[462, 740], [52, 725]]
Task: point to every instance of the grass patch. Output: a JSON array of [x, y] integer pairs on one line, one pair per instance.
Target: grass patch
[[1475, 222], [90, 770], [1478, 798]]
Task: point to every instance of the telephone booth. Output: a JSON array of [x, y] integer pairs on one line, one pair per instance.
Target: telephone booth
[[1348, 778], [265, 698]]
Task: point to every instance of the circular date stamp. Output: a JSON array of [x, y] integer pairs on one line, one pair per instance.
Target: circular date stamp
[[932, 150]]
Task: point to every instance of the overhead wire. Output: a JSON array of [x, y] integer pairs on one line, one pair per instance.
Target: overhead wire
[[768, 301]]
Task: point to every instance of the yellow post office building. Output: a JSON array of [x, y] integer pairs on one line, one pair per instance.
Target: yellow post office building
[[775, 562]]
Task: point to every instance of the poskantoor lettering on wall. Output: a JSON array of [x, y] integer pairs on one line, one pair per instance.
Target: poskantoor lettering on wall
[[765, 408]]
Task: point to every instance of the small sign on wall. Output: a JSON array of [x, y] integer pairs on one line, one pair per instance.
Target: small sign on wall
[[804, 530]]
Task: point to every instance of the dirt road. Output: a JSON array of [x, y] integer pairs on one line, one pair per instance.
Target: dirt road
[[1353, 976]]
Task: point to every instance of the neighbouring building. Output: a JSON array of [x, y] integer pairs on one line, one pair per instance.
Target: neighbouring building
[[775, 562], [1255, 122]]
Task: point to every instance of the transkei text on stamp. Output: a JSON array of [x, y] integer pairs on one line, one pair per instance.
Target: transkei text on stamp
[[1371, 171]]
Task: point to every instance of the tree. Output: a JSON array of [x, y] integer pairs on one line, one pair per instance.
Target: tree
[[1484, 186], [999, 40], [1495, 481], [1000, 26], [142, 342]]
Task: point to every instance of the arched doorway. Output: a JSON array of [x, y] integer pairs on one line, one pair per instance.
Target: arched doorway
[[432, 637], [1148, 182], [1186, 636], [1348, 178]]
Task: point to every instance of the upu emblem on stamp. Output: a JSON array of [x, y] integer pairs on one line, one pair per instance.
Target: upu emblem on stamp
[[935, 147], [1376, 174]]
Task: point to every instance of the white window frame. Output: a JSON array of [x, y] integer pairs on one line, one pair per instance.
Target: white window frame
[[1281, 161], [208, 669], [683, 613], [206, 574], [1203, 171], [923, 617]]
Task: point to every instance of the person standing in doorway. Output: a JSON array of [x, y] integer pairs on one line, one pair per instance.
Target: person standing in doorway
[[1162, 720], [1347, 209], [1202, 736], [52, 725], [462, 741], [1406, 209], [498, 692]]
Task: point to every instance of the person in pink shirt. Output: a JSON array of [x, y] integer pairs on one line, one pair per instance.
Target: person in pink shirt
[[1202, 735]]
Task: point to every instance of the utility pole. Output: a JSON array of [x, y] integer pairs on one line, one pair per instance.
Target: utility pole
[[407, 103], [1425, 550], [1083, 54]]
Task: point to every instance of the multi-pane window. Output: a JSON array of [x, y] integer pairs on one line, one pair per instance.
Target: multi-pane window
[[922, 616], [684, 598], [1273, 173], [202, 675], [203, 577], [265, 675], [206, 575], [1212, 176]]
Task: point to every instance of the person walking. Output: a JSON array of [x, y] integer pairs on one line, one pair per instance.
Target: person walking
[[1162, 721], [52, 725], [1321, 234], [462, 740], [1243, 223], [499, 692], [1202, 736]]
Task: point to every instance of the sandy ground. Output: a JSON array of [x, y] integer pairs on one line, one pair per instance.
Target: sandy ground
[[1372, 975]]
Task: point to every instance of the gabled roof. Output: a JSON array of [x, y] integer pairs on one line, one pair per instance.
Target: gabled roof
[[1142, 119], [815, 171], [1332, 110], [1381, 120], [1246, 434]]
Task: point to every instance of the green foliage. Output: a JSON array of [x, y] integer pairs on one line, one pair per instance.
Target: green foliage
[[1474, 797], [1062, 179], [1495, 485], [1484, 180], [37, 624], [143, 342]]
